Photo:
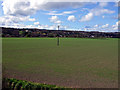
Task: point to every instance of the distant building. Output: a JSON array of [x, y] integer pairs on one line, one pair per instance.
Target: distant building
[[26, 32]]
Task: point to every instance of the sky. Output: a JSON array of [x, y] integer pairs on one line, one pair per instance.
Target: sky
[[43, 14]]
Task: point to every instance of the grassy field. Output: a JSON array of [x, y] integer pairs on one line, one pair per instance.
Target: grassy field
[[77, 62]]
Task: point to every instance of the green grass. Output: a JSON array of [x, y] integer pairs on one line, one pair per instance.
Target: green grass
[[77, 59]]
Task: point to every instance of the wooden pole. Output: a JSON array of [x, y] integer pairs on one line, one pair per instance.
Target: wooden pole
[[58, 37]]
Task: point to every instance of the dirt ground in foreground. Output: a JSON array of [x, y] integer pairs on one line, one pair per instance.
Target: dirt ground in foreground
[[87, 81]]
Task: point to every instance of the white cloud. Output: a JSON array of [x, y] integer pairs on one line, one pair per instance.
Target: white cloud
[[105, 26], [96, 26], [117, 4], [29, 26], [31, 19], [58, 22], [55, 19], [69, 12], [25, 8], [21, 7], [29, 7], [100, 11], [9, 20], [53, 13], [63, 13], [84, 9], [117, 23], [42, 27], [103, 4], [96, 12], [46, 26], [52, 27], [62, 5], [71, 18], [36, 23], [87, 17], [103, 17], [115, 27], [20, 10]]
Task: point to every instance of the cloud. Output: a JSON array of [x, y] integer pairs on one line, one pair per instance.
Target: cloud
[[46, 27], [115, 17], [24, 8], [16, 11], [102, 28], [117, 4], [63, 13], [36, 23], [100, 11], [61, 5], [68, 12], [87, 17], [8, 19], [71, 18], [17, 7], [103, 17], [21, 7], [117, 23], [115, 27], [29, 7], [105, 26], [96, 26], [96, 12], [52, 27], [103, 4], [87, 26], [53, 13], [29, 26], [55, 19], [31, 19], [58, 22], [85, 9]]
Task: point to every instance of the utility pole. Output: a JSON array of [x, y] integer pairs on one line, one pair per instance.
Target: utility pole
[[58, 37]]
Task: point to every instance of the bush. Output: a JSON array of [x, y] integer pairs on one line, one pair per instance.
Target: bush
[[15, 84]]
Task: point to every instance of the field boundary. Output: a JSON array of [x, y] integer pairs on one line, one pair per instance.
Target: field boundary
[[15, 84]]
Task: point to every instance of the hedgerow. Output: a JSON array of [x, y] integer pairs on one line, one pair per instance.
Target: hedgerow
[[15, 84]]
